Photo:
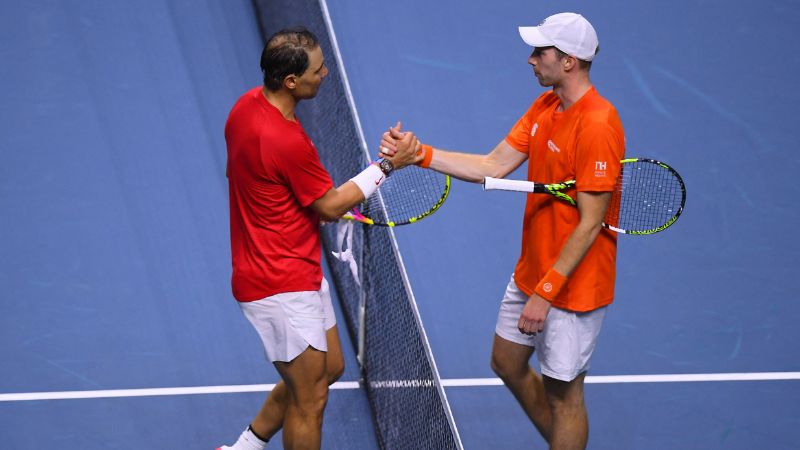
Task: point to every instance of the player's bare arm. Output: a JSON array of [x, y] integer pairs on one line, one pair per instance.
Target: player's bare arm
[[498, 163], [592, 207], [337, 201]]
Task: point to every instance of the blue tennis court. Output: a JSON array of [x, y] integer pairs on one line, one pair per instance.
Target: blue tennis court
[[118, 326]]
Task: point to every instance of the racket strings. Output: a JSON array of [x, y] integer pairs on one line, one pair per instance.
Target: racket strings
[[647, 196], [406, 194]]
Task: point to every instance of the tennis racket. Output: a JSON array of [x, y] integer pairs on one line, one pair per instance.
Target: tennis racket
[[407, 196], [648, 198]]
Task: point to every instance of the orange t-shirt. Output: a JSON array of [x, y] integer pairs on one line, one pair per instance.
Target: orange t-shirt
[[584, 143]]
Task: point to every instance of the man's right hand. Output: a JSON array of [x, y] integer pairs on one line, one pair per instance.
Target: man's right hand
[[401, 148], [389, 140], [405, 147]]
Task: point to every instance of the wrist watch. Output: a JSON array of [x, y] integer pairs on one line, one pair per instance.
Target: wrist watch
[[386, 166]]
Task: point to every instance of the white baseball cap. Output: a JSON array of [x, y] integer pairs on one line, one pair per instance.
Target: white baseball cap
[[569, 32]]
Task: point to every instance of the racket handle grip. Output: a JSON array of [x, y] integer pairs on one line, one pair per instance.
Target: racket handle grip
[[490, 184]]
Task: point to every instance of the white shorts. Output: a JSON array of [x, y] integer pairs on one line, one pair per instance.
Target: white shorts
[[291, 321], [567, 341]]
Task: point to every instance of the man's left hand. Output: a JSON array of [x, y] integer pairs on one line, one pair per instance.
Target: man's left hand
[[531, 321]]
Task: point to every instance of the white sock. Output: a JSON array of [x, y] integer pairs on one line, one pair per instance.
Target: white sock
[[248, 441]]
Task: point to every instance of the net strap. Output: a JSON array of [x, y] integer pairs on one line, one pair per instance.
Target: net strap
[[344, 234]]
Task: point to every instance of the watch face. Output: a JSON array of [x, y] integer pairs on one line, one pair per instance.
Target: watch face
[[386, 166]]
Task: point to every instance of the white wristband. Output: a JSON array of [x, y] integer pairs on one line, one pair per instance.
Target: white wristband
[[369, 180]]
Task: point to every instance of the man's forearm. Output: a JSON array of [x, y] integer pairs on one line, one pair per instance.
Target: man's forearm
[[576, 247], [498, 163], [592, 208], [464, 166]]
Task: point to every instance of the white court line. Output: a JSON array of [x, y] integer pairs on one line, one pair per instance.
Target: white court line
[[689, 377], [66, 395], [458, 382]]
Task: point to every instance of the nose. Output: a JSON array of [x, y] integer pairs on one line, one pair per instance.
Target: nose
[[532, 59]]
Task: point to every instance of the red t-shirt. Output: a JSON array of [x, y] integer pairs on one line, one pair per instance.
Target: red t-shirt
[[585, 143], [274, 174]]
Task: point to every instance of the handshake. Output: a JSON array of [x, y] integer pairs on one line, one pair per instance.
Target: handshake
[[402, 148]]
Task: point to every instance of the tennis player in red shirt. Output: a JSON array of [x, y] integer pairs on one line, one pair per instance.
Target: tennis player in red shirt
[[556, 299], [279, 192]]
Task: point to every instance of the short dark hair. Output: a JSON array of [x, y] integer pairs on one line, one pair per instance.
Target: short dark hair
[[581, 63], [285, 53]]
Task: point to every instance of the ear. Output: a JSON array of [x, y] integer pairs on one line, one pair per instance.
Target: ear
[[569, 62], [290, 82]]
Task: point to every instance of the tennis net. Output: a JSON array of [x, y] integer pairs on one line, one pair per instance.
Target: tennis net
[[399, 373]]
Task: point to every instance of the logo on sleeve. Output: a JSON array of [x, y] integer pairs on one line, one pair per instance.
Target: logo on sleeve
[[600, 169], [533, 130]]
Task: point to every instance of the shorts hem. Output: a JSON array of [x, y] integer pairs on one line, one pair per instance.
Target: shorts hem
[[287, 359], [561, 377], [521, 339], [289, 323]]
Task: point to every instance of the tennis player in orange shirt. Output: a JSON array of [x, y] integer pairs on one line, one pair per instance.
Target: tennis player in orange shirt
[[564, 280]]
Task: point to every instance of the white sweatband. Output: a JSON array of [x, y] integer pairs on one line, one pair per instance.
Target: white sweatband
[[369, 179]]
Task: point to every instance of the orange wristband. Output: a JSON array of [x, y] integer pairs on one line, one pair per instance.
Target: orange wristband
[[550, 285], [426, 161]]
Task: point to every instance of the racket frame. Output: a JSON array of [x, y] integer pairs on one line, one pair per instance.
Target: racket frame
[[357, 216], [556, 190]]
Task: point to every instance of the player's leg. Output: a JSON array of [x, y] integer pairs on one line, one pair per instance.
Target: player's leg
[[290, 324], [570, 422], [510, 363], [565, 350], [511, 352], [269, 419], [306, 383], [335, 358]]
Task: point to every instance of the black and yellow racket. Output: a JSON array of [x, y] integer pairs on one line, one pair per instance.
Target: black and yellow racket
[[648, 198], [407, 196]]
